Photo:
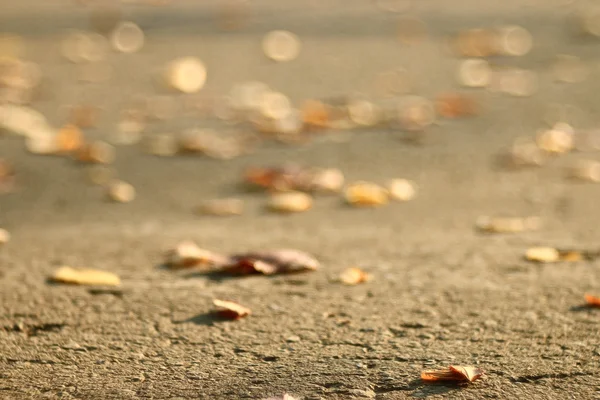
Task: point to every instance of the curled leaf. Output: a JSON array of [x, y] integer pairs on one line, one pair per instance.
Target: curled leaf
[[85, 277], [282, 261], [354, 276], [231, 310], [187, 254], [454, 373], [592, 301]]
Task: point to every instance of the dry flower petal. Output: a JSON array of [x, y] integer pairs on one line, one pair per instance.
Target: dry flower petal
[[290, 202], [592, 301], [354, 276], [187, 254], [231, 310], [222, 207], [366, 194], [85, 277], [454, 373]]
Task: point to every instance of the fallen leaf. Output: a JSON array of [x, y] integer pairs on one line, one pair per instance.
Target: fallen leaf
[[542, 254], [454, 373], [592, 301], [85, 277], [551, 255], [366, 194], [290, 202], [187, 254], [282, 261], [280, 178], [231, 310], [354, 276]]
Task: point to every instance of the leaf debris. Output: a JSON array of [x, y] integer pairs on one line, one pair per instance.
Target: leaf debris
[[454, 373]]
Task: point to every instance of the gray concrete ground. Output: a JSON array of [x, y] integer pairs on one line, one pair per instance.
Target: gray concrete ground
[[441, 293]]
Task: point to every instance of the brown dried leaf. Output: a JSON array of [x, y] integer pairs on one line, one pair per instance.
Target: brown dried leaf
[[551, 254], [85, 277], [354, 276], [282, 261], [454, 373], [592, 301], [231, 310], [187, 254], [281, 178], [366, 194], [290, 202]]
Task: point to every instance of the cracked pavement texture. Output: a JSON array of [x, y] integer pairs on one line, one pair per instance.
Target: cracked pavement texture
[[441, 293]]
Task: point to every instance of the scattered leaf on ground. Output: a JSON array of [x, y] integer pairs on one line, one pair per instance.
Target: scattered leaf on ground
[[283, 261], [551, 254], [187, 254], [231, 310], [85, 277], [542, 254], [454, 373], [290, 202], [366, 194], [592, 301], [354, 276]]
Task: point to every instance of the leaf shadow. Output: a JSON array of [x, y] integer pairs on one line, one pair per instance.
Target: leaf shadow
[[424, 390], [584, 307], [204, 319]]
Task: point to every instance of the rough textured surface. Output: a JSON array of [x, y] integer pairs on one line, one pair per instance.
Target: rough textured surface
[[441, 293]]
